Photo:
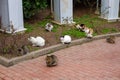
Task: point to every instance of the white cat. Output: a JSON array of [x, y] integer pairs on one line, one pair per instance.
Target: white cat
[[66, 39], [49, 27], [38, 41]]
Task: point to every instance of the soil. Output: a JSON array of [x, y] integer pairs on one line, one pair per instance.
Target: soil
[[6, 40]]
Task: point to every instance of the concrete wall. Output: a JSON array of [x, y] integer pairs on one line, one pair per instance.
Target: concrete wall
[[110, 9], [16, 13], [0, 9], [57, 14], [12, 11], [0, 15], [66, 11], [114, 10], [4, 13], [63, 11]]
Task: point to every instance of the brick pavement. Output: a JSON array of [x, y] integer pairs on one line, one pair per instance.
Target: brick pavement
[[96, 60]]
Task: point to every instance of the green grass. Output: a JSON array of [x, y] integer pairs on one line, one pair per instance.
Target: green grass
[[109, 30], [74, 32], [29, 27], [55, 29], [89, 20], [43, 22], [114, 30]]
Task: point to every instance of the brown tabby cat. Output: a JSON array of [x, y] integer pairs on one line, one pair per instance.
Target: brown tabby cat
[[111, 39], [51, 60]]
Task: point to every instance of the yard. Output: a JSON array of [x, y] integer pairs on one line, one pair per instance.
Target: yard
[[9, 44]]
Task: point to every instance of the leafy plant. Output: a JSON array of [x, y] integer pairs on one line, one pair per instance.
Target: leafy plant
[[31, 7]]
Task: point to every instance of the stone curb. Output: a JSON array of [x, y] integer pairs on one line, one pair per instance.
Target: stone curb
[[9, 62]]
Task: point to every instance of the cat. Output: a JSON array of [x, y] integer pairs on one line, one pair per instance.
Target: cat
[[111, 39], [88, 31], [23, 50], [49, 27], [80, 27], [51, 60], [38, 41], [66, 39]]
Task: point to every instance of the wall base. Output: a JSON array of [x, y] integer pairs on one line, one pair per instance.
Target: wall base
[[110, 20], [71, 24], [16, 32]]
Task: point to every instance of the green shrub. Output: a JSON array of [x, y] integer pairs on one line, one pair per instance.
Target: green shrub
[[31, 7]]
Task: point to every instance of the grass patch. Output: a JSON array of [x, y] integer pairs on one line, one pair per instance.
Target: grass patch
[[43, 22], [29, 27], [114, 30], [106, 30], [90, 21], [74, 33], [109, 30], [55, 29]]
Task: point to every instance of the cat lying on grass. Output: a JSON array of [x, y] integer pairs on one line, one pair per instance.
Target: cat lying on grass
[[88, 31]]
